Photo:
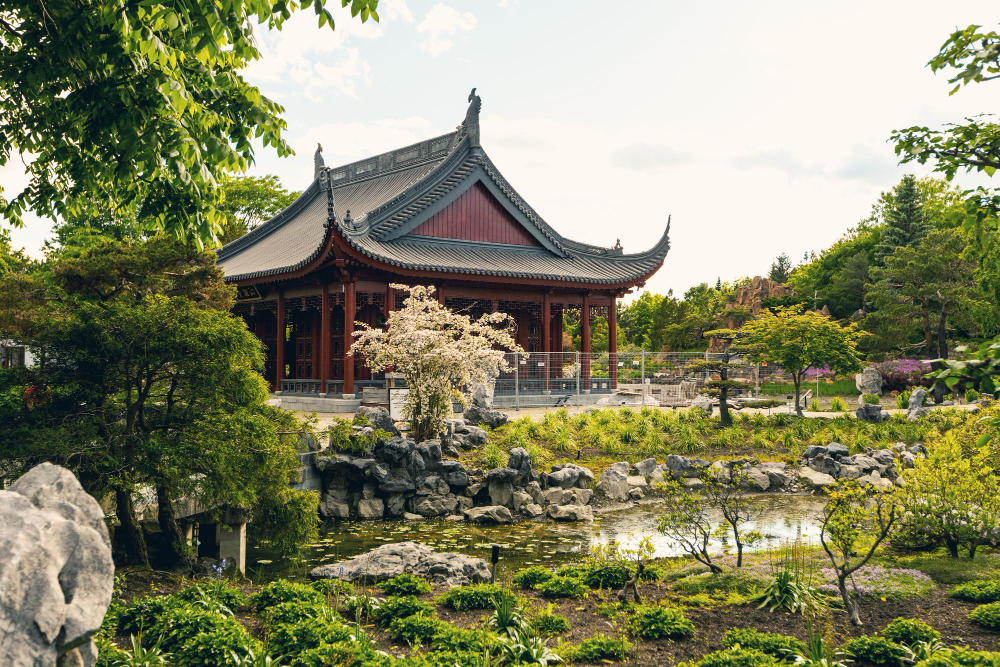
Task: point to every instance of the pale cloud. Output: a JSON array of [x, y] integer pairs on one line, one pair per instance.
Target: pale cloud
[[644, 156], [441, 26], [395, 10], [780, 160]]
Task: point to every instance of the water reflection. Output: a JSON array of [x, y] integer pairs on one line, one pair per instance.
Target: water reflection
[[786, 517]]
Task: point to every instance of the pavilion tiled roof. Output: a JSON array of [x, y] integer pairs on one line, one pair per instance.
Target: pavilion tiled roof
[[374, 202]]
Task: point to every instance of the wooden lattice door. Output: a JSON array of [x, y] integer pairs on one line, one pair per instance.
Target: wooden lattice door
[[304, 340]]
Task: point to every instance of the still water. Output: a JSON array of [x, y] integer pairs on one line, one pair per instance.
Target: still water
[[785, 518]]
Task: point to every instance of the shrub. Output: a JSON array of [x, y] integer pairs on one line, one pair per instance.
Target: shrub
[[305, 634], [738, 657], [346, 654], [871, 399], [405, 584], [910, 632], [362, 606], [652, 573], [771, 643], [971, 395], [400, 606], [598, 648], [215, 647], [233, 598], [461, 639], [562, 587], [903, 399], [982, 590], [532, 576], [609, 576], [144, 615], [576, 571], [416, 629], [333, 587], [961, 657], [280, 591], [837, 404], [549, 624], [181, 624], [475, 596], [987, 615], [874, 650], [651, 622], [288, 613]]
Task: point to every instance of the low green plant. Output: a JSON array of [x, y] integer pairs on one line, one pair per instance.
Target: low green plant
[[981, 590], [738, 657], [506, 617], [562, 587], [416, 629], [771, 643], [354, 653], [282, 590], [143, 616], [405, 584], [110, 655], [788, 590], [837, 404], [814, 405], [362, 606], [607, 576], [961, 657], [216, 647], [530, 577], [987, 615], [910, 632], [549, 623], [971, 395], [333, 587], [521, 647], [400, 606], [599, 648], [231, 597], [652, 622], [871, 399], [474, 596], [287, 613], [307, 633], [903, 399], [875, 650]]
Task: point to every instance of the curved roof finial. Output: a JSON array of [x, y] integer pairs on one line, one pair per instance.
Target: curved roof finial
[[318, 162], [471, 123]]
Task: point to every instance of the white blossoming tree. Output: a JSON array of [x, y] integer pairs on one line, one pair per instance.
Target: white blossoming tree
[[438, 352]]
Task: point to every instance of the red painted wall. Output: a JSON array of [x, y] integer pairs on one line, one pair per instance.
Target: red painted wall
[[476, 216]]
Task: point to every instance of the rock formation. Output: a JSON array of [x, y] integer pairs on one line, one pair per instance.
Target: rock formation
[[56, 572], [389, 560]]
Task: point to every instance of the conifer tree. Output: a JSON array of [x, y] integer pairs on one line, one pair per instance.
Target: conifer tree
[[905, 222]]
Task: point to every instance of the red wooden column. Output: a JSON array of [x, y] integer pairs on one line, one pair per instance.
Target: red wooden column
[[390, 300], [585, 341], [613, 340], [440, 294], [546, 337], [280, 340], [350, 312], [324, 340]]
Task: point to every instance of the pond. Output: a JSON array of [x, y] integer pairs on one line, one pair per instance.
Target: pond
[[785, 519]]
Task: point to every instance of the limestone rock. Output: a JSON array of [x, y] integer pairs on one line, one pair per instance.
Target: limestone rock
[[379, 418], [704, 402], [389, 560], [520, 462], [811, 479], [872, 413], [520, 499], [533, 510], [837, 450], [613, 484], [777, 474], [570, 475], [432, 485], [435, 505], [869, 381], [489, 514], [371, 508], [645, 467], [56, 572], [753, 479], [635, 493], [501, 493], [478, 415], [681, 466], [410, 516], [571, 512]]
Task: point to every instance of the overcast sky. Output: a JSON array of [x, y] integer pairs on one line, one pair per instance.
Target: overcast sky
[[760, 126]]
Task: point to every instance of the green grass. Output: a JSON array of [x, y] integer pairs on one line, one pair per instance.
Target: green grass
[[835, 388], [946, 570]]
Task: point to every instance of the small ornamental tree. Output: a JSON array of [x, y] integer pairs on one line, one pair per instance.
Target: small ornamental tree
[[855, 516], [798, 341], [723, 386], [687, 519], [438, 352], [736, 506]]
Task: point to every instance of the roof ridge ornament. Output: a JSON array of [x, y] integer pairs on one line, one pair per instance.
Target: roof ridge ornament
[[318, 163], [470, 126]]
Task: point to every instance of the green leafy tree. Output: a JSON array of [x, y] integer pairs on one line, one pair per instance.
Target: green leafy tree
[[637, 320], [250, 201], [145, 382], [798, 341], [781, 268], [137, 103], [926, 283], [834, 278], [853, 517], [905, 223]]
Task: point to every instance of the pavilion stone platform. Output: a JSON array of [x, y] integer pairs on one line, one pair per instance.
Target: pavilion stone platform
[[440, 213]]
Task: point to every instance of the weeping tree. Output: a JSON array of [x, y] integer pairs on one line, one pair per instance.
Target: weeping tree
[[722, 387], [440, 353]]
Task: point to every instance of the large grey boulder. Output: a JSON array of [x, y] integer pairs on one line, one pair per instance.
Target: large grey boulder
[[56, 572], [613, 484], [872, 413], [435, 505], [520, 461], [825, 464], [812, 479], [389, 560], [571, 512], [704, 402], [371, 508], [569, 475], [777, 474], [753, 479], [379, 418], [869, 381], [489, 514], [478, 415], [915, 408], [645, 467], [681, 466]]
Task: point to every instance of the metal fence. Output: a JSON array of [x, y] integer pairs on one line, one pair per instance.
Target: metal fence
[[543, 379]]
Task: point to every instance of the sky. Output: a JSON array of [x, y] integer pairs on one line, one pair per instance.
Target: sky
[[761, 128]]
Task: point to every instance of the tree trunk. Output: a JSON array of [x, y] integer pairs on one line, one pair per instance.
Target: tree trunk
[[798, 382], [925, 317], [168, 525], [132, 539], [739, 549], [849, 606], [633, 585], [724, 418], [952, 545], [942, 335]]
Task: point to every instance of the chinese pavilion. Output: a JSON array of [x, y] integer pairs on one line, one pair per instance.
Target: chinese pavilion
[[438, 212]]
